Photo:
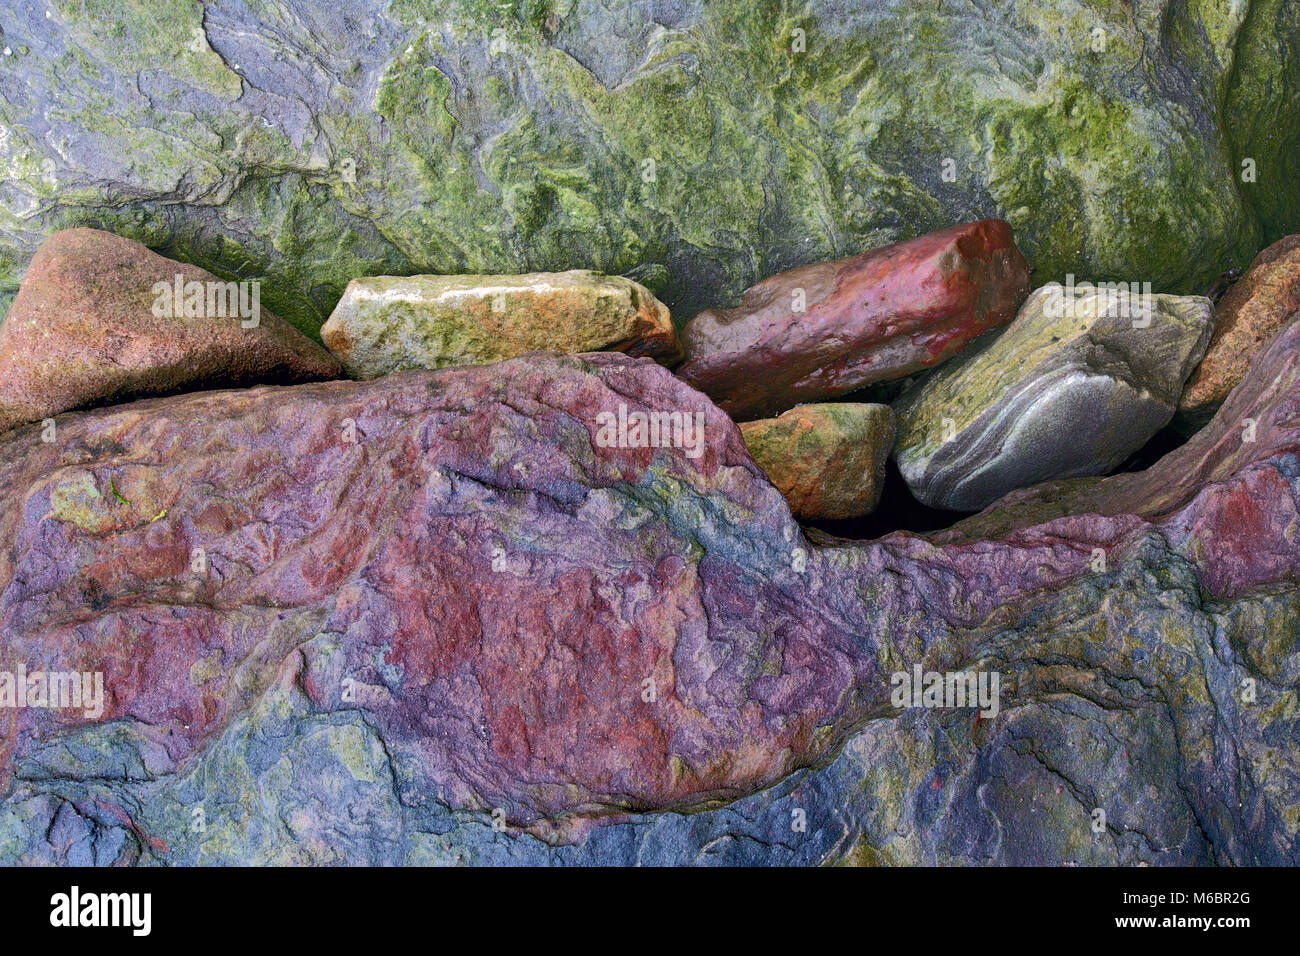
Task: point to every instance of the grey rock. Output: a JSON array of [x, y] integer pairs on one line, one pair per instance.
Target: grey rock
[[1071, 388]]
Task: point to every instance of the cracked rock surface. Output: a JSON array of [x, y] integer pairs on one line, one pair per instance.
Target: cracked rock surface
[[466, 603]]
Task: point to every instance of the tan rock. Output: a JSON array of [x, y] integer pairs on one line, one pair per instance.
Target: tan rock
[[1260, 303], [387, 323]]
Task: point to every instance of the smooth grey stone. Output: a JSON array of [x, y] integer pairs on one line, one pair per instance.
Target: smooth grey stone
[[1075, 384]]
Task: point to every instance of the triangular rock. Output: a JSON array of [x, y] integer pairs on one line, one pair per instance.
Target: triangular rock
[[98, 321]]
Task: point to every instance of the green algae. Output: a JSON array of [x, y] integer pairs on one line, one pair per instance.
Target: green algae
[[168, 32], [724, 143], [78, 501]]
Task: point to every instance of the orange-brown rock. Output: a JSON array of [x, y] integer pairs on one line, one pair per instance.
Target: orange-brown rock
[[829, 459], [1252, 312]]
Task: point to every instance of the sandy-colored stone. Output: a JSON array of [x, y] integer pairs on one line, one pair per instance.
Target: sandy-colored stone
[[83, 331], [388, 323], [1263, 300], [829, 459]]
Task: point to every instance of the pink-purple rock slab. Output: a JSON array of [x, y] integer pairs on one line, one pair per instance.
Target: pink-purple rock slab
[[476, 601]]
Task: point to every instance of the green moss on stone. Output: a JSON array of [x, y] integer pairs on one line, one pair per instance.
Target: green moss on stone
[[515, 136]]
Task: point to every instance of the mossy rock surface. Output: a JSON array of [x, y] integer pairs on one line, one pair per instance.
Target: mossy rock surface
[[828, 460], [694, 147]]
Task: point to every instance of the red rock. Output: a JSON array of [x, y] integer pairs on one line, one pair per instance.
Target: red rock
[[884, 314], [82, 331]]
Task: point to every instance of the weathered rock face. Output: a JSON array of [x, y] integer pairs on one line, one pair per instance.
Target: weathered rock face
[[320, 142], [1073, 387], [822, 330], [1248, 315], [461, 494], [1228, 495], [385, 324], [476, 604], [101, 319], [828, 460]]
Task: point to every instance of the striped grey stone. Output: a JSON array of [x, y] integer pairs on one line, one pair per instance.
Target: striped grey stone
[[1074, 385]]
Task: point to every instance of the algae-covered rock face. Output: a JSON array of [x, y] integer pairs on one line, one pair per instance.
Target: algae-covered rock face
[[697, 147], [386, 323], [1072, 387], [827, 460]]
